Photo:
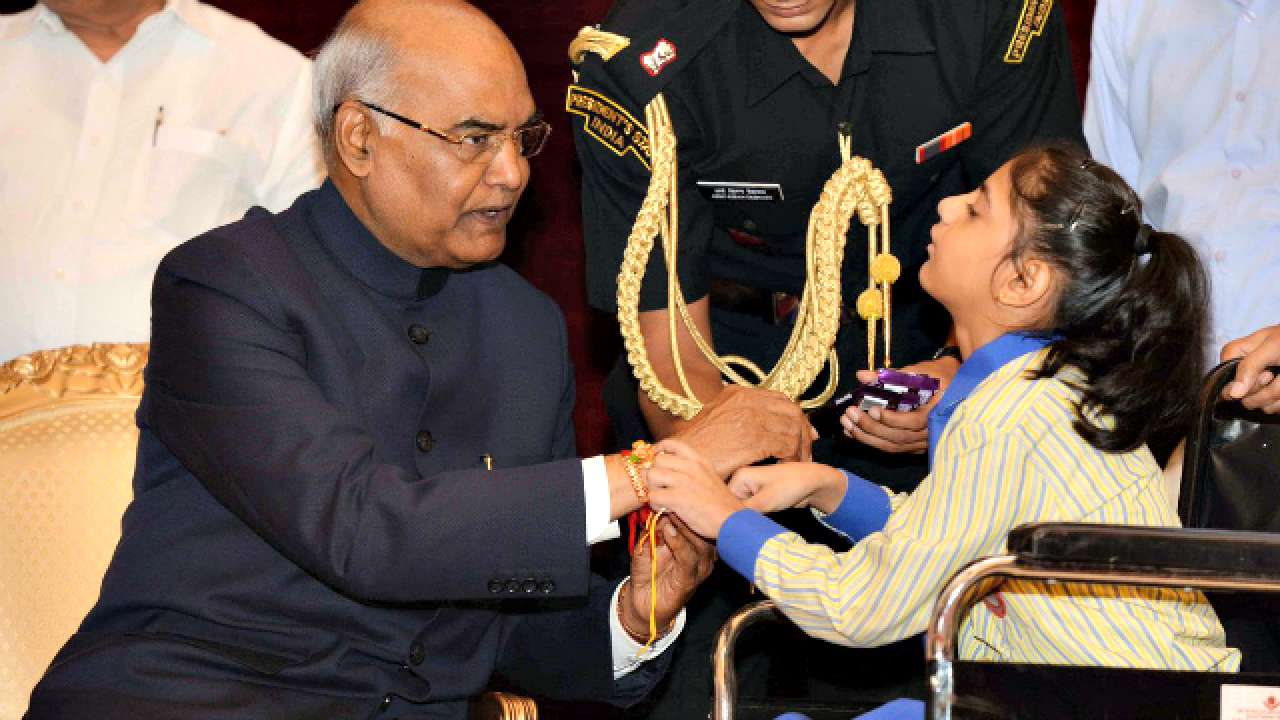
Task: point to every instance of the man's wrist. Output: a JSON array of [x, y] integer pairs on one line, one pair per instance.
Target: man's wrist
[[625, 609], [622, 493]]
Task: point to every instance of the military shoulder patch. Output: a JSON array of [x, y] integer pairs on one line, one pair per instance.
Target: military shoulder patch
[[662, 55], [1032, 22], [608, 123]]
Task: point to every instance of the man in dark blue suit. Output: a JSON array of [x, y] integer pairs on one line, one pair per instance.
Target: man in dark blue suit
[[356, 490]]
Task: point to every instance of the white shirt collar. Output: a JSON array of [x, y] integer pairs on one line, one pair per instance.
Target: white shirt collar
[[21, 24], [192, 14]]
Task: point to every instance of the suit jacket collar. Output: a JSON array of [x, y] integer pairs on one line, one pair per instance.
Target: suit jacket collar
[[363, 255]]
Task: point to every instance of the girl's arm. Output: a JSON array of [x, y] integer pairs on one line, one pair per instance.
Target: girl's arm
[[883, 588]]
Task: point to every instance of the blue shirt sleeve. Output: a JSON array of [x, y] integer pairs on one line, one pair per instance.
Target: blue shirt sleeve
[[864, 509], [741, 538]]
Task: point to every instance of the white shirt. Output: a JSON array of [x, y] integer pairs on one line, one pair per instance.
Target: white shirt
[[627, 654], [106, 166], [1184, 102]]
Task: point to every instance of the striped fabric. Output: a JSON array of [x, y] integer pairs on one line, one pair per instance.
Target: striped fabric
[[1008, 456]]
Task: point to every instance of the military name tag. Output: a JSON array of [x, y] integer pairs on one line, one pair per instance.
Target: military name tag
[[740, 191]]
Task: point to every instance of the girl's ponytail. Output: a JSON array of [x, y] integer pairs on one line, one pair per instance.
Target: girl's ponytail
[[1132, 312]]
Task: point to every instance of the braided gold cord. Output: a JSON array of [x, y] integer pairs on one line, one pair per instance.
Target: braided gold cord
[[649, 222], [856, 186]]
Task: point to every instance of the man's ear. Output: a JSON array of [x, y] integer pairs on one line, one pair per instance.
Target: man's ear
[[1026, 284], [353, 130]]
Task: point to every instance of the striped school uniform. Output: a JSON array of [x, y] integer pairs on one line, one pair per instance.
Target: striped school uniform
[[1003, 453]]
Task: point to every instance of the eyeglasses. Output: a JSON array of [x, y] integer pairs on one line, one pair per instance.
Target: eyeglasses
[[481, 146]]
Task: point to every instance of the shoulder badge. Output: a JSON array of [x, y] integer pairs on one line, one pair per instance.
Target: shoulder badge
[[608, 123], [594, 40], [659, 57], [1032, 22]]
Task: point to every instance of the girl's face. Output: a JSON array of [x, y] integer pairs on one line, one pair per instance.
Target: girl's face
[[968, 258]]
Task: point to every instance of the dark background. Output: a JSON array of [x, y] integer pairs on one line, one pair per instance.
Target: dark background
[[545, 243]]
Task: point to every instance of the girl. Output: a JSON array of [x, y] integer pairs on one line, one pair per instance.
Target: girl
[[1080, 330]]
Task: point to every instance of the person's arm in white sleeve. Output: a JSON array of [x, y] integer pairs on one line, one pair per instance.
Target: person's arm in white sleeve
[[1106, 108]]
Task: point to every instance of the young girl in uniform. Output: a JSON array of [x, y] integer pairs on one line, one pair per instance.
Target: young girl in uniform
[[1080, 329]]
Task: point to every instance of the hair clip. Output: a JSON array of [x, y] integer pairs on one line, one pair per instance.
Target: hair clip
[[1074, 220], [1087, 164], [1142, 241]]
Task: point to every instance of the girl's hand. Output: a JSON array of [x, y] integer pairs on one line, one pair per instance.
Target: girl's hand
[[685, 483], [770, 488], [899, 432]]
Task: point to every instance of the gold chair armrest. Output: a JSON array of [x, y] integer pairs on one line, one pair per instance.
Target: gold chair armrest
[[503, 706]]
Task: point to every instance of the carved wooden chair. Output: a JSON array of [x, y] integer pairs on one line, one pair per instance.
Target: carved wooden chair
[[67, 446]]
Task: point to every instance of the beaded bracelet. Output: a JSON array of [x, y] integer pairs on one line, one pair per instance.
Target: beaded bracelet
[[639, 457], [654, 634]]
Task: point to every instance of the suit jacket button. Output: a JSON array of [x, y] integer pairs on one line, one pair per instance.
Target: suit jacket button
[[386, 703], [530, 585], [495, 586], [417, 653], [548, 587], [513, 585], [419, 335], [424, 441]]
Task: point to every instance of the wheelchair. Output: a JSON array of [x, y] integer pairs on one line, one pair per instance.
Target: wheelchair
[[1230, 545]]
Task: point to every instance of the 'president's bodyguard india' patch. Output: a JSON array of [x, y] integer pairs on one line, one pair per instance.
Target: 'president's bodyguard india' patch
[[609, 123], [1032, 22]]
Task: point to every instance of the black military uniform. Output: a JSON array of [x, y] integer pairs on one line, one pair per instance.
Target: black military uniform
[[747, 107]]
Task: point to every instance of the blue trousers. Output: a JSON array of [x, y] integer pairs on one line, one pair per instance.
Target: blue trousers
[[900, 709]]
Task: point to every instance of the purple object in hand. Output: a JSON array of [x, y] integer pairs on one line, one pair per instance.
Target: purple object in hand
[[913, 381]]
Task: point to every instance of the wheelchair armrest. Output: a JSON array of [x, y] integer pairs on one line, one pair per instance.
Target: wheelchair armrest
[[724, 675], [1171, 551]]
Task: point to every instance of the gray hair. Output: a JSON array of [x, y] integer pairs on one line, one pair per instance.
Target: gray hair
[[355, 63]]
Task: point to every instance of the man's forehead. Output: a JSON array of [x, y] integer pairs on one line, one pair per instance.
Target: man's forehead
[[456, 91]]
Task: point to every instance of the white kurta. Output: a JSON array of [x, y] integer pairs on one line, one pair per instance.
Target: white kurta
[[106, 166]]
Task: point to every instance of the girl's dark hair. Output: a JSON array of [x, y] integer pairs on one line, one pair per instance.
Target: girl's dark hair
[[1132, 306]]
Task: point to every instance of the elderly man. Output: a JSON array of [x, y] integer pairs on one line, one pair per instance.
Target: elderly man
[[130, 126], [356, 488]]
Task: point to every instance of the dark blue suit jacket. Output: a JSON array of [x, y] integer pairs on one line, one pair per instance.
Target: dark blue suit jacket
[[314, 531]]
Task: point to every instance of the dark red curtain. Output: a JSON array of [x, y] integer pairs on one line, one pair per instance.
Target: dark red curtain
[[546, 236]]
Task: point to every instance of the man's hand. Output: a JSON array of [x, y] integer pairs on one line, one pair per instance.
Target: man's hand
[[684, 561], [1255, 385], [745, 425], [899, 432]]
